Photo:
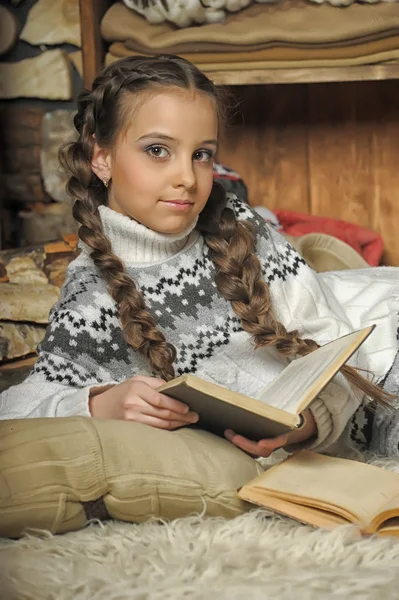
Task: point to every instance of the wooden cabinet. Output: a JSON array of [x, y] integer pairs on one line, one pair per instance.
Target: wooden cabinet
[[323, 141]]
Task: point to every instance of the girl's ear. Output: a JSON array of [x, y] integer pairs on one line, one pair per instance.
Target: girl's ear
[[101, 162]]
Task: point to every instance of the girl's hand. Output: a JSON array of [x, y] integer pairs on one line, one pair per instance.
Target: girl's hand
[[267, 446], [136, 399]]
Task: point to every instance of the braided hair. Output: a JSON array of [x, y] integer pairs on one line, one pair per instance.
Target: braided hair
[[100, 118]]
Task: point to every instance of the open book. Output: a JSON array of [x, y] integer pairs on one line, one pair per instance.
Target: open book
[[279, 406], [326, 492]]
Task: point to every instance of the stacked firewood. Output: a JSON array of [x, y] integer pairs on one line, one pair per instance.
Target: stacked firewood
[[34, 196], [37, 230], [34, 207], [30, 282], [21, 130]]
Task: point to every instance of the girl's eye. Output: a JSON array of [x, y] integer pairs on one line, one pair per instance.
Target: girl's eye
[[157, 152], [203, 155]]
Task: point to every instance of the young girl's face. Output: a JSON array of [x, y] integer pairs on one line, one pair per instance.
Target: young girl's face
[[161, 169]]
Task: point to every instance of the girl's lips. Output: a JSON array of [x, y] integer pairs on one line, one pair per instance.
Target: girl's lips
[[178, 204]]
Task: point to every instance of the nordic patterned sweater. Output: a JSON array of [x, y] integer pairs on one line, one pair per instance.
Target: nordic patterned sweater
[[84, 346]]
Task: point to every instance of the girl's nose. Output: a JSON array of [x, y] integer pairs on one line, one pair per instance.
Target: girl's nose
[[185, 175]]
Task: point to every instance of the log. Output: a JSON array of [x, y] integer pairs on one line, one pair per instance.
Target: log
[[9, 28], [58, 256], [24, 269], [21, 126], [6, 233], [13, 365], [26, 187], [46, 76], [38, 264], [49, 223], [57, 129], [27, 302], [19, 339], [22, 159], [14, 372], [53, 22], [56, 269], [22, 265]]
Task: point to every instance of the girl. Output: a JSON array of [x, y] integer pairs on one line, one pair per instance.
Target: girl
[[174, 278]]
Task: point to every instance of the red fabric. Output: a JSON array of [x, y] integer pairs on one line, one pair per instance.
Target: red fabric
[[368, 243]]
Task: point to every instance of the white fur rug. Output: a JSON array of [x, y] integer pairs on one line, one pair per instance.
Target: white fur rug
[[256, 556]]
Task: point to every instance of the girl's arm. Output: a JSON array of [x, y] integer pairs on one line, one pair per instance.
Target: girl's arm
[[47, 393], [85, 368], [73, 376], [135, 399], [302, 301], [67, 367]]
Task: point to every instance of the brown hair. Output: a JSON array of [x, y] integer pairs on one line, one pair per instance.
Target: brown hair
[[101, 117]]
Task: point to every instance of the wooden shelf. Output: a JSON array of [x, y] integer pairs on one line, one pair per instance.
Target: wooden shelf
[[305, 75]]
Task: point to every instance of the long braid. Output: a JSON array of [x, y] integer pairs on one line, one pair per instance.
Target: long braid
[[239, 279], [138, 325]]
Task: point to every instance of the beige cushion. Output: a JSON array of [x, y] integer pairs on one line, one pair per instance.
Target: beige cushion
[[325, 252], [50, 467]]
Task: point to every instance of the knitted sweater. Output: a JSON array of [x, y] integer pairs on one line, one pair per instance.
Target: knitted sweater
[[84, 346]]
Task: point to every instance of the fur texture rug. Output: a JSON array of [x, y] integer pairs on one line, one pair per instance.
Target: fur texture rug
[[255, 556]]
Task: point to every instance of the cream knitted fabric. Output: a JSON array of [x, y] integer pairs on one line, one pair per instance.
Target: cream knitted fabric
[[132, 242]]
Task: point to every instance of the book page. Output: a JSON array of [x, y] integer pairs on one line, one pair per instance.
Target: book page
[[346, 486], [309, 515], [305, 377], [390, 513], [390, 527]]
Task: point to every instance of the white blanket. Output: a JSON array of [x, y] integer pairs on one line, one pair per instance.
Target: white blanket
[[370, 296]]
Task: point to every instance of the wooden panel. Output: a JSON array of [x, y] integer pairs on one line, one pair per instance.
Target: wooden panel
[[267, 144], [353, 142], [385, 110], [326, 149], [340, 154], [305, 75]]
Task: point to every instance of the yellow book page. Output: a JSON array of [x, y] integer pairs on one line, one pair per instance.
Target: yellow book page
[[390, 527], [305, 514], [390, 513], [305, 377], [345, 486]]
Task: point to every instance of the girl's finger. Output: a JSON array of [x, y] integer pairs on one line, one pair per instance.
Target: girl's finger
[[242, 443], [153, 382], [159, 400], [250, 447], [229, 434], [262, 448], [139, 388], [274, 443], [153, 421], [163, 413]]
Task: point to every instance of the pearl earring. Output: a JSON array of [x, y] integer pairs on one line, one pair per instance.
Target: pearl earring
[[105, 181]]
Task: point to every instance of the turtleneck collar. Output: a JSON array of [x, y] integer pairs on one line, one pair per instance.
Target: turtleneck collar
[[132, 242]]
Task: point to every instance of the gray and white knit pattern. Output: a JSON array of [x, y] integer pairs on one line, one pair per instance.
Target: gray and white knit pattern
[[180, 292], [378, 430], [84, 345], [385, 433]]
